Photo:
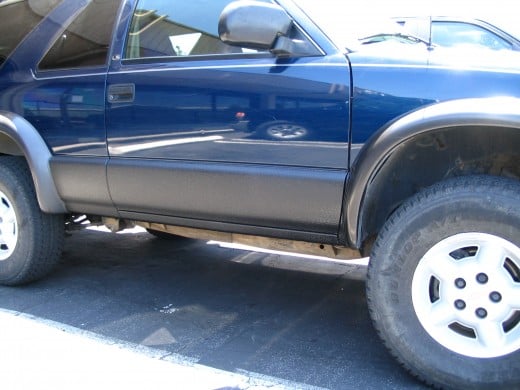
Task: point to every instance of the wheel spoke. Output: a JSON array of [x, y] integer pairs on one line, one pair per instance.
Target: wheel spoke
[[9, 240], [490, 334], [8, 233], [513, 296], [4, 210], [442, 314], [491, 255], [8, 222], [9, 217], [442, 266]]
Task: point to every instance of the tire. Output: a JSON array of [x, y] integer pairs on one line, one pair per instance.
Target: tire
[[284, 131], [443, 284], [30, 240]]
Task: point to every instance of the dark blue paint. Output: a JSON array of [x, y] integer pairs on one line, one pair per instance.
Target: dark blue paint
[[70, 113], [67, 107], [230, 100], [392, 79], [218, 110]]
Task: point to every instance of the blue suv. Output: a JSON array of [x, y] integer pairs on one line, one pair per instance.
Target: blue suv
[[244, 121]]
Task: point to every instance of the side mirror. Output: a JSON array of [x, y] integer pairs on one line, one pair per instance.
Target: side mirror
[[253, 24]]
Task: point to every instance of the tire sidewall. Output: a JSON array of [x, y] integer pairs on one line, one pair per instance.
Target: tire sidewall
[[15, 264], [420, 230]]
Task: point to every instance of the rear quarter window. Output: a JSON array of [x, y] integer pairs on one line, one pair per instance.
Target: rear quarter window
[[17, 19], [86, 41]]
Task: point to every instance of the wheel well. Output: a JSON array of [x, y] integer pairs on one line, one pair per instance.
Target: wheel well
[[19, 138], [431, 157], [9, 146]]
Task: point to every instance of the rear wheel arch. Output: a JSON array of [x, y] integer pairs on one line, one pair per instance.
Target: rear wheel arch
[[19, 138], [457, 138]]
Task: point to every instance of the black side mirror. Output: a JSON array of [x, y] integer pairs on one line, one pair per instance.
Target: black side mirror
[[253, 24]]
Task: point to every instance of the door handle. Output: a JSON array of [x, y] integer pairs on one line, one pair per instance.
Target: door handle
[[121, 93]]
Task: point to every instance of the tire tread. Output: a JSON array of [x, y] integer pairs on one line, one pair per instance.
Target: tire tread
[[48, 239]]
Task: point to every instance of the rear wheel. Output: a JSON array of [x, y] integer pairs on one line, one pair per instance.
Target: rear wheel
[[30, 240], [444, 284]]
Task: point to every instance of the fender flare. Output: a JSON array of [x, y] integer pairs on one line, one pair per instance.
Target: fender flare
[[493, 112], [38, 155]]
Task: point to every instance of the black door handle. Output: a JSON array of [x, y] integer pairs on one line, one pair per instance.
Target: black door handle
[[121, 93]]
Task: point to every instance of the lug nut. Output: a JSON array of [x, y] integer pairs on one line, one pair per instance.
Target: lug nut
[[482, 278], [460, 283], [460, 304], [481, 312], [495, 296]]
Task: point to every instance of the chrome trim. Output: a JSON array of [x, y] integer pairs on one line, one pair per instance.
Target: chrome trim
[[436, 67], [179, 68]]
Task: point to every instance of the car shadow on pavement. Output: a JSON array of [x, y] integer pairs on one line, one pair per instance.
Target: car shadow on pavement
[[220, 307]]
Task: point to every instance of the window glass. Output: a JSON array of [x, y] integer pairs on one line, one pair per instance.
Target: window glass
[[455, 33], [164, 28], [17, 19], [86, 40]]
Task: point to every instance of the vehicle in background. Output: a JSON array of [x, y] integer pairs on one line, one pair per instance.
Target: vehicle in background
[[453, 31]]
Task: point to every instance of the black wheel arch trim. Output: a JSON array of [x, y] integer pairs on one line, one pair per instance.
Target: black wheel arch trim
[[32, 146], [493, 112]]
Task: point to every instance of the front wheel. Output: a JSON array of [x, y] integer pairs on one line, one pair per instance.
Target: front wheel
[[30, 240], [444, 284]]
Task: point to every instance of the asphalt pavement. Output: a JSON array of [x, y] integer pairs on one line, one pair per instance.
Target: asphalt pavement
[[133, 311]]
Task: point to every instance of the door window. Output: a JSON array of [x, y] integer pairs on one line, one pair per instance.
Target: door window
[[166, 28], [17, 19], [87, 39]]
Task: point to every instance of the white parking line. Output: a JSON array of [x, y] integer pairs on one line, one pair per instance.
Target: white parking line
[[40, 354]]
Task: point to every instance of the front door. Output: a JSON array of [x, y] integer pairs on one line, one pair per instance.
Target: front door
[[202, 131]]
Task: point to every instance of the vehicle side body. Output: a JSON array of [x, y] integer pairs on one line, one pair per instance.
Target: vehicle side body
[[154, 156], [172, 141], [242, 121]]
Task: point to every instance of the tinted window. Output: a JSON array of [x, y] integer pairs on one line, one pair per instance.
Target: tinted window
[[455, 33], [17, 19], [177, 28], [86, 40]]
